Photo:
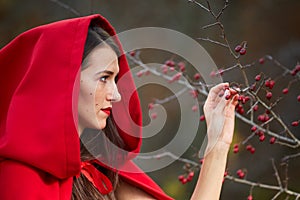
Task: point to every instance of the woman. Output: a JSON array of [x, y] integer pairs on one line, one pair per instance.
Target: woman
[[58, 84]]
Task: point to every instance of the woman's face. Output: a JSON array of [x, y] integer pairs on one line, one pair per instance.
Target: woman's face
[[98, 89]]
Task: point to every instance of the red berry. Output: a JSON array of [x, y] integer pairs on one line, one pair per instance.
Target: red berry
[[240, 173], [238, 48], [150, 106], [181, 66], [170, 63], [195, 108], [154, 115], [243, 51], [261, 118], [285, 90], [191, 174], [180, 178], [197, 76], [194, 93], [250, 197], [227, 97], [132, 53], [269, 95], [201, 161], [267, 83], [184, 181], [140, 73], [212, 74], [261, 60], [252, 150], [258, 77], [297, 68], [241, 111], [272, 83], [247, 98], [165, 69], [221, 72], [266, 118], [225, 173], [253, 87], [293, 72], [248, 147], [262, 138], [298, 98], [260, 133], [239, 106], [235, 150], [176, 77], [255, 108], [241, 97], [254, 128], [272, 140], [295, 123], [202, 118]]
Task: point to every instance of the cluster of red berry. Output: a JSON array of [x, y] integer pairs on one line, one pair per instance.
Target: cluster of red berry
[[241, 173], [241, 48], [186, 178], [295, 70]]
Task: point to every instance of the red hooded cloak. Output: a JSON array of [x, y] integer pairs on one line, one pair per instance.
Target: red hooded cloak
[[39, 143]]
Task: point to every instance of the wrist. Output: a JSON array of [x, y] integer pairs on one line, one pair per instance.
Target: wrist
[[218, 147]]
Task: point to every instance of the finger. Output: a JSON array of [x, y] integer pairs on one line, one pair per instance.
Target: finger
[[235, 100], [215, 91], [223, 102], [229, 114]]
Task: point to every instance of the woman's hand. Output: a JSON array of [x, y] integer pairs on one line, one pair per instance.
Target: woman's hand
[[219, 114]]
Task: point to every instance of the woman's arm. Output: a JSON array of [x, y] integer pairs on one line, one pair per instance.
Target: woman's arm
[[219, 114]]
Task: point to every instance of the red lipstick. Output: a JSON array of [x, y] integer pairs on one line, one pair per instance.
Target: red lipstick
[[107, 110]]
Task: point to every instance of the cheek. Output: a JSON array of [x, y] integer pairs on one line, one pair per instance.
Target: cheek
[[99, 96], [86, 97]]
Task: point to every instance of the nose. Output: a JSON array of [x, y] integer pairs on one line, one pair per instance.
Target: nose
[[114, 95]]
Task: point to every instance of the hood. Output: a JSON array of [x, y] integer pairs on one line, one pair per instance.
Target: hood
[[38, 81]]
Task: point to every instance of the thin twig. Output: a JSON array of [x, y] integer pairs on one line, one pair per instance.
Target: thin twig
[[277, 195], [211, 25], [170, 98], [276, 173], [214, 42], [286, 158], [199, 4], [168, 154]]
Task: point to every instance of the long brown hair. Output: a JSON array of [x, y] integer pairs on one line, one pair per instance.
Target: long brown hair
[[83, 189]]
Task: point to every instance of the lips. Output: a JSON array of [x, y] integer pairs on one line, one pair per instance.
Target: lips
[[106, 110]]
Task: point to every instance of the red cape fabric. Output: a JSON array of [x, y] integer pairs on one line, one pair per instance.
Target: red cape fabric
[[39, 143]]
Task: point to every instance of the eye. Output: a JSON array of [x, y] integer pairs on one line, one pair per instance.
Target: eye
[[103, 78]]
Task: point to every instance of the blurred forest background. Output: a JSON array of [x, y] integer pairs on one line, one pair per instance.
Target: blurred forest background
[[269, 26]]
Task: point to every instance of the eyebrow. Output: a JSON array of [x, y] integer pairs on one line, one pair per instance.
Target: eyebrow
[[105, 71]]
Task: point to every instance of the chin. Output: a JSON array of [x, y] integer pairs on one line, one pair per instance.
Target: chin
[[102, 125]]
